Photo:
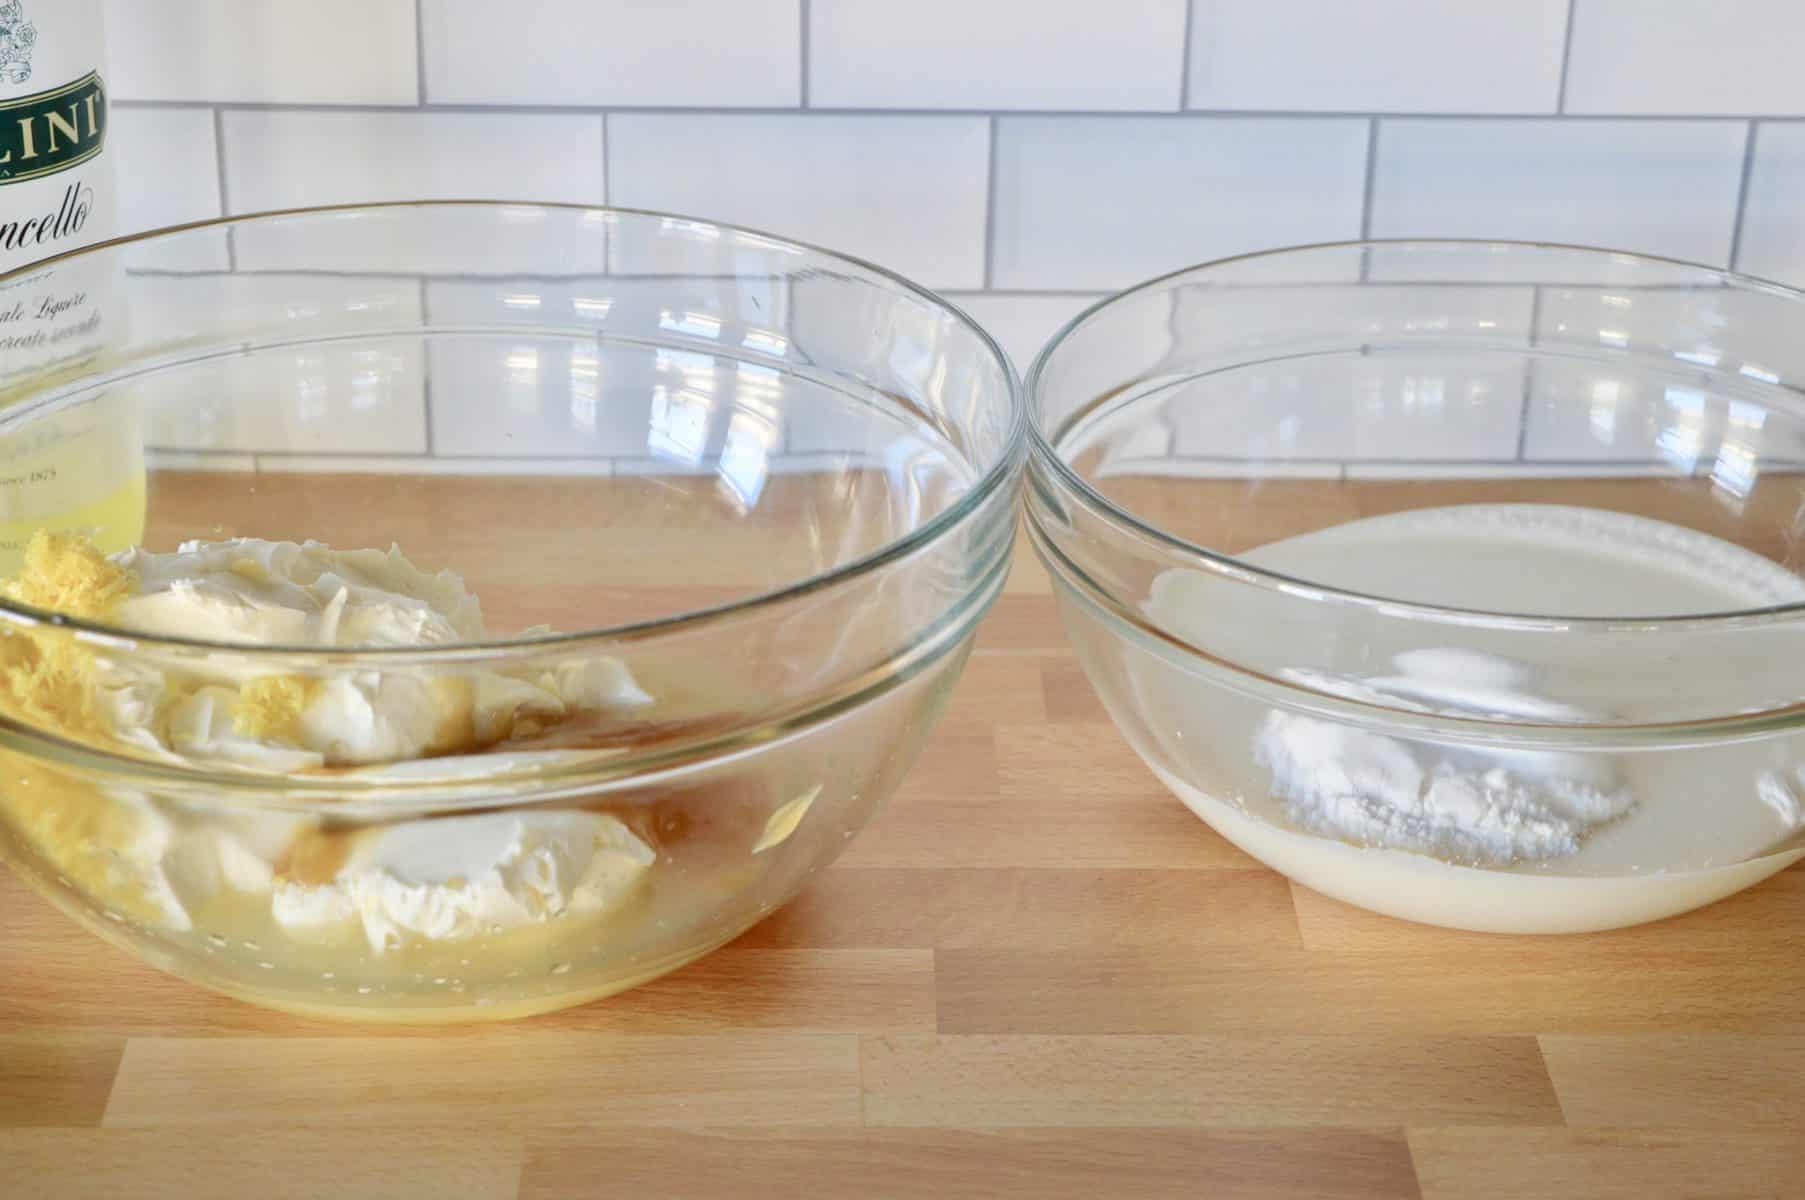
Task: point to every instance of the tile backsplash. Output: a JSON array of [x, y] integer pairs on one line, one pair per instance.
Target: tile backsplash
[[1024, 156]]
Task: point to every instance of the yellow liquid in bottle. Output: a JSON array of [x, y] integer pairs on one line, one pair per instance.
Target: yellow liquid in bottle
[[79, 469]]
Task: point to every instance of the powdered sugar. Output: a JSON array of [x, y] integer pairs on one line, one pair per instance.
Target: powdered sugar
[[1375, 790]]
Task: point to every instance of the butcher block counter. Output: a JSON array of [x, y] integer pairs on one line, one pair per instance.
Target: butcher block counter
[[1036, 974]]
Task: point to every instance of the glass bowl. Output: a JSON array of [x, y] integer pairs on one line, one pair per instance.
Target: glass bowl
[[735, 504], [1455, 580]]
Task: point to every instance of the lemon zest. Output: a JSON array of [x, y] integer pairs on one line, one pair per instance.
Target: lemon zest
[[270, 708], [46, 676], [67, 573]]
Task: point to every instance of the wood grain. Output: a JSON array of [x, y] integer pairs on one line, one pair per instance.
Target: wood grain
[[533, 1076], [1607, 1164], [1696, 1080], [1053, 1081], [1035, 975], [947, 1164], [271, 1163]]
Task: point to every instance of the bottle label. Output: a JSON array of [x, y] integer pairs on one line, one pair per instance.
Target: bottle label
[[53, 130]]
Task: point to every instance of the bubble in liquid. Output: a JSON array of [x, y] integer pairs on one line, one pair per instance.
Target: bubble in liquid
[[250, 945], [110, 915], [218, 939], [364, 989], [267, 966], [328, 975], [562, 968], [440, 981]]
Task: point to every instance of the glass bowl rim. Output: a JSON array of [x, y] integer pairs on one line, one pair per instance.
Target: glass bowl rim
[[995, 478], [1046, 461]]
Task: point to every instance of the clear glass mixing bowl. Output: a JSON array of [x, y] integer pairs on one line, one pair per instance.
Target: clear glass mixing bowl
[[759, 493], [1455, 580]]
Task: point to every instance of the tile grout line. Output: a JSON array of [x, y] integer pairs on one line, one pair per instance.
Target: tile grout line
[[990, 207], [1366, 197], [1372, 170], [607, 173], [1560, 88], [426, 371], [1742, 193], [420, 52], [1137, 114], [802, 53], [1184, 58], [1529, 368], [219, 165]]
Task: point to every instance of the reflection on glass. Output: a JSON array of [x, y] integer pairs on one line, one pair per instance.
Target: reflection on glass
[[595, 308], [695, 324], [1602, 415], [679, 425], [585, 388], [1684, 436], [745, 458], [766, 342], [1735, 470], [521, 369]]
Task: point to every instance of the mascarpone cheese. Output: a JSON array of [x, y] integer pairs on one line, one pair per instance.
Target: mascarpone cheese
[[460, 877]]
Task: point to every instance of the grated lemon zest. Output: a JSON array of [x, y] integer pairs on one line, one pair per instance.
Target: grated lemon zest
[[270, 708]]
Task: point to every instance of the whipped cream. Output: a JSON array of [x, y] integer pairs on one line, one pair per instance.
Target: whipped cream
[[460, 877]]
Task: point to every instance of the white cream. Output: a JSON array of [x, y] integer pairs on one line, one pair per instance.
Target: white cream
[[176, 863], [1474, 835], [284, 593], [296, 594], [438, 879], [461, 877]]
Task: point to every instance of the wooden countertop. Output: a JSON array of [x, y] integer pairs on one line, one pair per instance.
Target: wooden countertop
[[1034, 975]]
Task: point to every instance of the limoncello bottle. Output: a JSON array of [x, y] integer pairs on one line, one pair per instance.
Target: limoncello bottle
[[81, 465]]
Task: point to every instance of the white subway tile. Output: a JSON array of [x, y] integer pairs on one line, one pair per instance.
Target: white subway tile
[[1394, 407], [1210, 468], [1666, 374], [1773, 233], [1516, 470], [1686, 57], [1008, 54], [342, 396], [1665, 188], [884, 347], [1599, 412], [1377, 55], [623, 52], [166, 169], [1023, 324], [382, 464], [197, 460], [555, 397], [263, 51], [1227, 323], [280, 159], [906, 192], [1099, 202]]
